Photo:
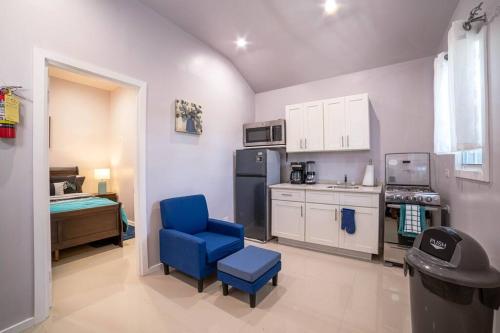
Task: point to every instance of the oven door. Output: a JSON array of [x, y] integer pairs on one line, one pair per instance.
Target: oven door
[[391, 225]]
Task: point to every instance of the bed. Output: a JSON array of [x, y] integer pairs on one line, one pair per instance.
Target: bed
[[80, 218]]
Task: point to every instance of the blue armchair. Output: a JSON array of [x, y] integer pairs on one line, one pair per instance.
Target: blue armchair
[[192, 242]]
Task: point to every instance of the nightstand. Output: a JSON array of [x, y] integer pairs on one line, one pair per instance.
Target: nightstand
[[108, 195]]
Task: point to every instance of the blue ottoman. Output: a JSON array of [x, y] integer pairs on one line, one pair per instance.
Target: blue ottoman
[[249, 270]]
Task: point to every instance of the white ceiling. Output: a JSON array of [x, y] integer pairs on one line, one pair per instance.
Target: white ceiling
[[292, 41]]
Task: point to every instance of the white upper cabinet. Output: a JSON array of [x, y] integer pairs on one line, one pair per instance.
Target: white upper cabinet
[[304, 127], [294, 128], [329, 125], [357, 122], [334, 124], [313, 126]]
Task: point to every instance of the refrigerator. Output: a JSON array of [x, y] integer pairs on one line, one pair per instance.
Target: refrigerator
[[255, 170]]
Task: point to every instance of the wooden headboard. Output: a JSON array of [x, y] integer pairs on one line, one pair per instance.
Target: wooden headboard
[[63, 171]]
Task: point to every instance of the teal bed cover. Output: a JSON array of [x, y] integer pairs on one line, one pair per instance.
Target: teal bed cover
[[86, 203]]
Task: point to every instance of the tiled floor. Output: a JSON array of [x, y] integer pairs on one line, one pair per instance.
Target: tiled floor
[[316, 293]]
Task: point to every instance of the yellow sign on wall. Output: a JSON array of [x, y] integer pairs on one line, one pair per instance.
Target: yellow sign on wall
[[11, 108]]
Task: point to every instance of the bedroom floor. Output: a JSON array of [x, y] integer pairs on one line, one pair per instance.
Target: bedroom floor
[[98, 290]]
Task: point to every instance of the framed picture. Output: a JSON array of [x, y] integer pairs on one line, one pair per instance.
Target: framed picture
[[188, 117]]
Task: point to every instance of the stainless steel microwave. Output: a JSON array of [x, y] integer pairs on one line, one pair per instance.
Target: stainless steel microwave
[[268, 133]]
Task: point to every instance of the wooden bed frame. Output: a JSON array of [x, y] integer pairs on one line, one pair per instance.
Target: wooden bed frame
[[68, 229]]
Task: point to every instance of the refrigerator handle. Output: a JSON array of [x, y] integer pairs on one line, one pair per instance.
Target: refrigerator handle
[[301, 211], [336, 214]]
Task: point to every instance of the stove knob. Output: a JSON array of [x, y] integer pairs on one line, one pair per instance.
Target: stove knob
[[407, 197], [428, 199], [399, 197], [420, 198]]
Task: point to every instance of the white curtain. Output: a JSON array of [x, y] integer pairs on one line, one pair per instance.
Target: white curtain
[[467, 83], [442, 115]]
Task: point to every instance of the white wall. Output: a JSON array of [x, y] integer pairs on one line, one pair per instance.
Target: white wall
[[123, 138], [401, 97], [475, 206], [126, 37], [80, 122]]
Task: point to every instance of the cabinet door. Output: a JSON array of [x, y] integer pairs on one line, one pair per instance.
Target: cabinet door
[[294, 128], [334, 123], [357, 115], [365, 238], [313, 126], [288, 219], [322, 224]]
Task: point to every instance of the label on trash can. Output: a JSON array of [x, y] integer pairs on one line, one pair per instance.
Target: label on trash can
[[439, 243]]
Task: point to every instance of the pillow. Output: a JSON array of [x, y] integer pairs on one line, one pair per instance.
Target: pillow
[[70, 183], [79, 183], [58, 188]]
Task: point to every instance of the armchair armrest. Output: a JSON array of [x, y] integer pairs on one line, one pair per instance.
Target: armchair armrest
[[183, 251], [225, 228]]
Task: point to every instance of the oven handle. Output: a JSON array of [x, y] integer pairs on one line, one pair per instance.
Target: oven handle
[[432, 209]]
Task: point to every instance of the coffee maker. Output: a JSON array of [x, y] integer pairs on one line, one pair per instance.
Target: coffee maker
[[310, 172], [298, 173]]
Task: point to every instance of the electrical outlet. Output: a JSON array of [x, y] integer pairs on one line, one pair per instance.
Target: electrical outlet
[[447, 173]]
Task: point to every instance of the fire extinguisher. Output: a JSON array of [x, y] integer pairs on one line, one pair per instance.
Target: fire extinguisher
[[9, 113]]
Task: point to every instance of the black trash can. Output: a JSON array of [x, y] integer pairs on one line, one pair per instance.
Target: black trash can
[[453, 288]]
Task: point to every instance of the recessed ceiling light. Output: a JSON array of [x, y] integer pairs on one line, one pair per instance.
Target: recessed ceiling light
[[241, 43], [331, 7]]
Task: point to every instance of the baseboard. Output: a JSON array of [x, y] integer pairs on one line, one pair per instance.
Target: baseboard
[[20, 326], [326, 249], [153, 269]]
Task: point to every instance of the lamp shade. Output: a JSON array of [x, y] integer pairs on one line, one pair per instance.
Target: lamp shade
[[102, 174]]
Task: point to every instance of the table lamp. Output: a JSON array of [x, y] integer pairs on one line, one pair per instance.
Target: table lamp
[[102, 175]]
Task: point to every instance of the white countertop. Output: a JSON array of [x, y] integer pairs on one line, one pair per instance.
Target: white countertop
[[328, 187]]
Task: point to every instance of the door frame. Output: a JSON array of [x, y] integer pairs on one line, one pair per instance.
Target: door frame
[[41, 215]]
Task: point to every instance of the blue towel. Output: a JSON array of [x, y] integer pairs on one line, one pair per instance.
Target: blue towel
[[348, 223]]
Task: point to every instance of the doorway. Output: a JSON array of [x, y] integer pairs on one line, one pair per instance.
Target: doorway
[[43, 60]]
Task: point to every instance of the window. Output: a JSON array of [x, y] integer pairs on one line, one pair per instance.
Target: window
[[460, 105]]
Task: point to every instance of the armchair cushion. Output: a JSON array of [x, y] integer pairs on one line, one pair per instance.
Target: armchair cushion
[[218, 245], [225, 228], [186, 214]]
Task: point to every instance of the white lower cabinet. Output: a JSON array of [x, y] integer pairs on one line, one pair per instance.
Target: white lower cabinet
[[316, 218], [323, 224], [365, 238], [288, 219]]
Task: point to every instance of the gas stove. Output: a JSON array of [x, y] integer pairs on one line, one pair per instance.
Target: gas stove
[[412, 195]]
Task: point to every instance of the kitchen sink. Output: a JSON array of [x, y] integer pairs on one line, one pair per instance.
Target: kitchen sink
[[349, 187]]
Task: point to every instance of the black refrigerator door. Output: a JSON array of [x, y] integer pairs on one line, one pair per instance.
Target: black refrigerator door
[[251, 162], [251, 206]]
